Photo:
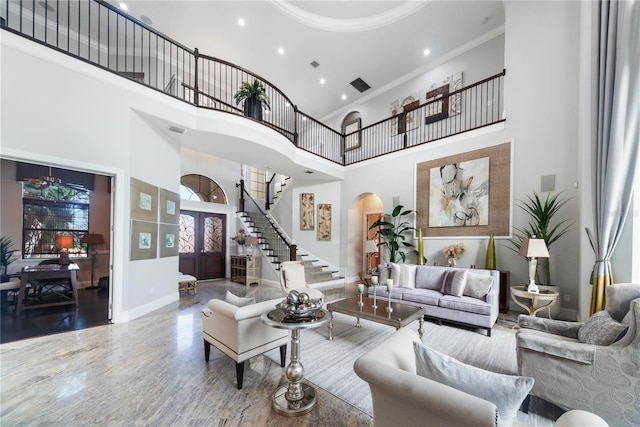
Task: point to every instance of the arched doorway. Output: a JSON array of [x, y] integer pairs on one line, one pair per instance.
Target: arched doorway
[[202, 245], [365, 209]]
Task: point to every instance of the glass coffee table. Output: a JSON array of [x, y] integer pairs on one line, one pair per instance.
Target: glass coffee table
[[400, 316]]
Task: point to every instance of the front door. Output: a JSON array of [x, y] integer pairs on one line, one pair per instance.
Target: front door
[[203, 244]]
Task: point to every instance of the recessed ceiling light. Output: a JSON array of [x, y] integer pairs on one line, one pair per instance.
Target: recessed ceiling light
[[426, 52], [146, 20], [281, 51], [124, 6], [344, 97], [322, 81], [241, 22]]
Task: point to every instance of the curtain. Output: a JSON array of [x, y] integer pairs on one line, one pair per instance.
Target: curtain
[[615, 133]]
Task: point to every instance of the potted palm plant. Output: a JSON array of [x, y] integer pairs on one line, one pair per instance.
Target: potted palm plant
[[540, 225], [390, 233], [254, 96], [6, 257]]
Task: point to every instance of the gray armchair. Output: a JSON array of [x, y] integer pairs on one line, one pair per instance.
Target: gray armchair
[[573, 375]]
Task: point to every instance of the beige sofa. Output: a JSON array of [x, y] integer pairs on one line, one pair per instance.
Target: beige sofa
[[402, 398]]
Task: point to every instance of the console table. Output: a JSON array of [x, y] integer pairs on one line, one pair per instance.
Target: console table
[[55, 280], [246, 269]]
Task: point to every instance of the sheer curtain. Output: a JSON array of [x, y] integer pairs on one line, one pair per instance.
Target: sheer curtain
[[615, 133]]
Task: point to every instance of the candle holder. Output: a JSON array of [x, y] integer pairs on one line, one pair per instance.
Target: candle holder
[[374, 298], [360, 303], [389, 308]]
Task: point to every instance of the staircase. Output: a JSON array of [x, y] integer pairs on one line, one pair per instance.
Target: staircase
[[269, 240]]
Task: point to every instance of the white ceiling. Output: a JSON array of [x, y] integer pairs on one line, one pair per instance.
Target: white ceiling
[[381, 42]]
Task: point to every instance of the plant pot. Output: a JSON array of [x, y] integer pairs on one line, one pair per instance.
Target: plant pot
[[253, 108]]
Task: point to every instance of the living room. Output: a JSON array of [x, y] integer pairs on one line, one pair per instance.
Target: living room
[[123, 135]]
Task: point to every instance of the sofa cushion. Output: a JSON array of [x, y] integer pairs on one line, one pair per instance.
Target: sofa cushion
[[422, 296], [505, 391], [430, 277], [454, 282], [403, 275], [478, 285], [383, 274], [466, 304], [601, 329], [238, 301]]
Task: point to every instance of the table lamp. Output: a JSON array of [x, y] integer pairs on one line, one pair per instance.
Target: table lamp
[[91, 240], [370, 248], [64, 243], [533, 248]]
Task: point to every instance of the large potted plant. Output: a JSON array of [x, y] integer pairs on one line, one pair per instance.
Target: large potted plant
[[254, 96], [6, 257], [541, 214], [390, 233]]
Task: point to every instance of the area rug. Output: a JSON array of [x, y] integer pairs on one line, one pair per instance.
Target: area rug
[[329, 364]]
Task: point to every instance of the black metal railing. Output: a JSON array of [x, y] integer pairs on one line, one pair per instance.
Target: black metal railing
[[99, 33], [279, 244]]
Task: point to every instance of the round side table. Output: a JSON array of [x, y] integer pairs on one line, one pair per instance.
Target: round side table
[[534, 302], [296, 398]]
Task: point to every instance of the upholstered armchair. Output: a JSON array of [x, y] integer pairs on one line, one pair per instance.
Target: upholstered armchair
[[239, 332], [292, 278], [571, 374]]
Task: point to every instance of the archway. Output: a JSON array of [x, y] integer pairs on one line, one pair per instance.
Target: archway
[[363, 209]]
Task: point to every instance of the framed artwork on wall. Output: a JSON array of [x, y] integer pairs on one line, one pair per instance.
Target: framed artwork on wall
[[306, 211], [466, 194], [168, 239], [144, 201], [324, 221], [169, 207], [443, 105], [143, 240]]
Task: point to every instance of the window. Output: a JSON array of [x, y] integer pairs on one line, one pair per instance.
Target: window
[[257, 184], [51, 209], [201, 188]]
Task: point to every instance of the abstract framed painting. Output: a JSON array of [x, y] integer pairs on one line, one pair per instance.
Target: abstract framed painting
[[324, 222], [466, 194], [306, 211]]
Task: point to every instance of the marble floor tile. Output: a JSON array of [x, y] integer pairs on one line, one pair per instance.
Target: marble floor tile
[[150, 371]]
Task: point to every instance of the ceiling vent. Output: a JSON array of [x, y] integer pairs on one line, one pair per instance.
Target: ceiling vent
[[308, 172], [360, 84], [176, 129], [315, 64]]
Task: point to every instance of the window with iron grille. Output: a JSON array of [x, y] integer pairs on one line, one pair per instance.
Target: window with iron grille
[[49, 211]]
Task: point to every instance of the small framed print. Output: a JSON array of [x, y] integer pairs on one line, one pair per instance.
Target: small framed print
[[168, 235], [143, 240], [169, 207], [144, 201]]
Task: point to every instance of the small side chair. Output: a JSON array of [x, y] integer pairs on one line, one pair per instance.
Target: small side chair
[[239, 332], [292, 278]]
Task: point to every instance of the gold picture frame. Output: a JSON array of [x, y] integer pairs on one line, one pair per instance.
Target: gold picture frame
[[168, 240], [144, 237], [169, 207], [144, 201], [324, 221], [306, 211]]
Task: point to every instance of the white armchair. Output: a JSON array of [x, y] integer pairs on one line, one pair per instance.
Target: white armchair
[[239, 332], [604, 379], [292, 278]]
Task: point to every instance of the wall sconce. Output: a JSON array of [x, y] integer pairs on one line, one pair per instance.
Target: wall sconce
[[64, 243], [533, 248]]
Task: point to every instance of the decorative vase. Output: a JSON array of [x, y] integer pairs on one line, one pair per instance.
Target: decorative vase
[[420, 248], [452, 262], [240, 249], [490, 263]]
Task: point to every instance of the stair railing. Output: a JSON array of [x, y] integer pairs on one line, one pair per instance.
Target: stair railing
[[282, 248]]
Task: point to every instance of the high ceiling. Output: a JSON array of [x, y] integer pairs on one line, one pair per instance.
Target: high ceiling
[[381, 42]]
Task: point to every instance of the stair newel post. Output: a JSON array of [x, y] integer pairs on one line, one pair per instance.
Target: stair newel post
[[292, 252], [241, 199], [196, 90]]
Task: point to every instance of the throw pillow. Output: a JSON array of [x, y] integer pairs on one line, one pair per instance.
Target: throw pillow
[[478, 286], [238, 301], [601, 329], [383, 274], [454, 282], [408, 276], [395, 274], [505, 391]]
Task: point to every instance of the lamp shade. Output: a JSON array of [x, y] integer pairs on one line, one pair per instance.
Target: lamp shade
[[64, 242], [92, 239], [370, 246], [534, 248], [252, 240]]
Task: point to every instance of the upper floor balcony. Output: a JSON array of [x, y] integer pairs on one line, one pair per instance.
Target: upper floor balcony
[[99, 34]]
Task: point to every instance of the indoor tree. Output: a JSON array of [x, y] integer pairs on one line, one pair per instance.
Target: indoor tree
[[390, 233]]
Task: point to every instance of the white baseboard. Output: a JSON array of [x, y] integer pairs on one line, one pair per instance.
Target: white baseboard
[[147, 308]]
